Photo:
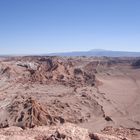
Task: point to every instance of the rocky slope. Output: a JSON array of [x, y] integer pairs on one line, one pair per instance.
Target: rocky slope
[[61, 132]]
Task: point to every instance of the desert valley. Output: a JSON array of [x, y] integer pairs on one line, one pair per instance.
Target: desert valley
[[69, 98]]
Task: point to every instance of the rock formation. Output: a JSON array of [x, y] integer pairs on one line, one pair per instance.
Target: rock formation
[[27, 112]]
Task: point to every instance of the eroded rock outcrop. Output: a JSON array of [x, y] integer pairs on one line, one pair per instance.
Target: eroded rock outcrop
[[136, 64], [46, 70], [27, 112]]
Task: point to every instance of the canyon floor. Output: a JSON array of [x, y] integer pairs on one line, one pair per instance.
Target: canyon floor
[[70, 98]]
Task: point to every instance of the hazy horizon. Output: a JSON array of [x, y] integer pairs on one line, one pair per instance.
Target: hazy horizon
[[78, 53], [41, 27]]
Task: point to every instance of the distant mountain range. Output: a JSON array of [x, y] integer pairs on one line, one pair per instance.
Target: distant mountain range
[[99, 52]]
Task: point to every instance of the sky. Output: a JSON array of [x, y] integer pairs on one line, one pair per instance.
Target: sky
[[46, 26]]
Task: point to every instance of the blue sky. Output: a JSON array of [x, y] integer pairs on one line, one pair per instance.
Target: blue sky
[[44, 26]]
